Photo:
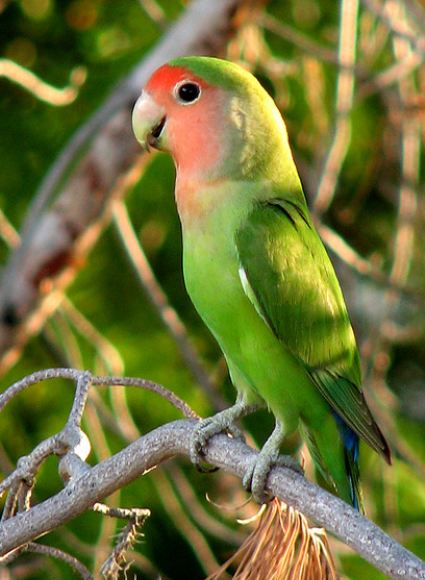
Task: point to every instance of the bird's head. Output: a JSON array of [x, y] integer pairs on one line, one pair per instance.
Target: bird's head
[[211, 115]]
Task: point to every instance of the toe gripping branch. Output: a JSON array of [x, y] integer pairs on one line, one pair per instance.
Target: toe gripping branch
[[222, 422], [255, 478]]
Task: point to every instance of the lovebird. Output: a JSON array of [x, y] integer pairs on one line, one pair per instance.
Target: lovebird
[[256, 270]]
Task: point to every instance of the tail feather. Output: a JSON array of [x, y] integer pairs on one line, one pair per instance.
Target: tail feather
[[337, 465], [351, 444]]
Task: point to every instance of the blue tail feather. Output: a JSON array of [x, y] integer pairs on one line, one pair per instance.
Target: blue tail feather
[[351, 442]]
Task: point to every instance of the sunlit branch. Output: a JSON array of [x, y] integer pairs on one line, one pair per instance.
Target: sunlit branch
[[380, 343], [389, 76], [39, 88], [344, 102], [109, 354], [410, 169], [362, 266]]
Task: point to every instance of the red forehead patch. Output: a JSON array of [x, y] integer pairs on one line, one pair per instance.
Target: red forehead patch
[[166, 77]]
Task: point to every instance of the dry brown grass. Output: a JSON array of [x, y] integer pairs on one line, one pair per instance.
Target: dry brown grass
[[282, 547]]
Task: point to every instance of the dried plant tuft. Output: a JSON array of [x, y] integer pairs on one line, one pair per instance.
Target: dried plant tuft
[[282, 547]]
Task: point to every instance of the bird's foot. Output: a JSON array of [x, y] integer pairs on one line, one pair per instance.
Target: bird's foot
[[223, 422], [255, 478], [203, 432]]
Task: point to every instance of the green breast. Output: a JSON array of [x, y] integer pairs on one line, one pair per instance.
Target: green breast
[[210, 266]]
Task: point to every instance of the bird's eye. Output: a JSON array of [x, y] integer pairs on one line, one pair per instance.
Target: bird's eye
[[188, 92]]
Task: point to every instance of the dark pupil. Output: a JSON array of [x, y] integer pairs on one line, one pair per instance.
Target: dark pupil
[[188, 92]]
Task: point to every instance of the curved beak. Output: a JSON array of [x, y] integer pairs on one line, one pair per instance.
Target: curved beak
[[148, 121]]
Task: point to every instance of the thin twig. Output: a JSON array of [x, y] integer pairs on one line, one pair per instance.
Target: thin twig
[[39, 88], [391, 75], [126, 539], [75, 375], [106, 350], [304, 43], [150, 386], [154, 11], [75, 564], [410, 170], [7, 232], [35, 378]]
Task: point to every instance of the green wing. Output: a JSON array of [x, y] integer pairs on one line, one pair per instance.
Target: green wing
[[287, 274]]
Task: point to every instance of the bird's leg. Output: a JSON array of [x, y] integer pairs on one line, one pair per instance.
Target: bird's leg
[[255, 477], [222, 421]]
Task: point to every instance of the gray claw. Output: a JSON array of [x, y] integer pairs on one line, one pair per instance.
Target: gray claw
[[206, 429], [236, 433], [219, 423], [257, 472], [255, 477], [203, 431]]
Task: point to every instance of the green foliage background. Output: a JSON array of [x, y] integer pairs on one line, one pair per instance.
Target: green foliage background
[[51, 37]]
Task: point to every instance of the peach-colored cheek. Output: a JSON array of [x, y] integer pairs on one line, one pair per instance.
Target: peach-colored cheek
[[193, 135]]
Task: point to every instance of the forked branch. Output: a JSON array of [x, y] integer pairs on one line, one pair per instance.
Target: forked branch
[[85, 486]]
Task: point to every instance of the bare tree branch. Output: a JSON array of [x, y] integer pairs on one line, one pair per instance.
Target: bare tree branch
[[232, 455], [344, 102], [86, 486]]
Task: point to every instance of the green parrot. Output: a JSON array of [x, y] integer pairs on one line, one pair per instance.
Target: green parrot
[[257, 271]]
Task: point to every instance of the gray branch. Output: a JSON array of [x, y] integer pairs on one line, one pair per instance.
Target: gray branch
[[231, 455]]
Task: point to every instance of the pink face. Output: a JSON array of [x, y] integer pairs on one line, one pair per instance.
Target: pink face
[[193, 113]]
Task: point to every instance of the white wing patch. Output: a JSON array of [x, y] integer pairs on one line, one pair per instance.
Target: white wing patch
[[247, 288]]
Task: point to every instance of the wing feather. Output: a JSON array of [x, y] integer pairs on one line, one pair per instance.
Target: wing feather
[[289, 278]]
